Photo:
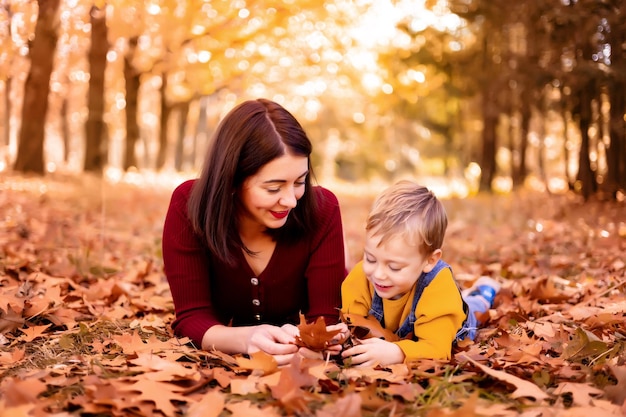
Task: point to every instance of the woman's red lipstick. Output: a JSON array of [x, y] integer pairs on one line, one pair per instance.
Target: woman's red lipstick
[[280, 214]]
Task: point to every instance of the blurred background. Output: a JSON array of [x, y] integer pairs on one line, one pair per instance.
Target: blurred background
[[466, 95]]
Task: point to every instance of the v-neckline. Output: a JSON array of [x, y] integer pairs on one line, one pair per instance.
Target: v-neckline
[[267, 265]]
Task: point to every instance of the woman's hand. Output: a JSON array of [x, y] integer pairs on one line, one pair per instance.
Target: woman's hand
[[276, 341], [374, 351]]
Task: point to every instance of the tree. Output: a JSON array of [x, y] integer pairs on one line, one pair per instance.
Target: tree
[[132, 77], [95, 132], [30, 155]]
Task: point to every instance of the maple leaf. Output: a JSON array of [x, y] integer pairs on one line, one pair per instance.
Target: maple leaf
[[288, 390], [33, 332], [211, 405], [10, 319], [160, 393], [523, 388], [19, 392], [364, 327], [258, 361], [314, 335], [13, 356], [582, 394], [166, 370]]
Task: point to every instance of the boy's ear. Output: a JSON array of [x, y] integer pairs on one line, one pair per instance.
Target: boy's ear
[[432, 260]]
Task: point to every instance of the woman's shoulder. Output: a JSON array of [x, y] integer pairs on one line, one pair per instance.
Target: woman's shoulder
[[183, 190], [326, 199]]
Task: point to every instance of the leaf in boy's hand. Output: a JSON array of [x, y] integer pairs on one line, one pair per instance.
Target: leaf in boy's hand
[[359, 326], [314, 335]]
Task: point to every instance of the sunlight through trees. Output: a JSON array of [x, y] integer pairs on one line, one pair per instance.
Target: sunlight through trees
[[528, 93]]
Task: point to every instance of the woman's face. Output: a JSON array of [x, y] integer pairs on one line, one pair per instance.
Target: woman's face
[[268, 196]]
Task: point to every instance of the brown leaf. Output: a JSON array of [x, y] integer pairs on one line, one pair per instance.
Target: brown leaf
[[10, 319], [289, 388], [582, 394], [366, 327], [314, 335], [523, 388], [617, 393]]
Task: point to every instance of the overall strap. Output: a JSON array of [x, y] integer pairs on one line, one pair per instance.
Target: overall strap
[[407, 326]]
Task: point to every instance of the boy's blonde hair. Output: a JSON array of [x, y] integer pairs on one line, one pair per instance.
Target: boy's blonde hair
[[411, 210]]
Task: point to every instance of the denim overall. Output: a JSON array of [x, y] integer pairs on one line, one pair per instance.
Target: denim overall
[[406, 329]]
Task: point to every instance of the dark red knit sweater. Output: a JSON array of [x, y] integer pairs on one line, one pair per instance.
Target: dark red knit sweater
[[305, 276]]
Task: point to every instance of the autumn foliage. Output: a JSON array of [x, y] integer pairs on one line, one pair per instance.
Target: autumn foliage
[[85, 315]]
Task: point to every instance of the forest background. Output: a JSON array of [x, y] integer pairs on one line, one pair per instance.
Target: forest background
[[513, 113], [488, 94]]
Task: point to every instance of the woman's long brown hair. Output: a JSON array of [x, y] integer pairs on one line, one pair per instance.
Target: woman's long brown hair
[[250, 135]]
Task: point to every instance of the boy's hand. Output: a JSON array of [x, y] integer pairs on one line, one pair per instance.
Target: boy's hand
[[374, 351]]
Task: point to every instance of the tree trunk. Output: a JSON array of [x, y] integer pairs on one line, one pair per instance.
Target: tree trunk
[[165, 116], [616, 153], [95, 137], [179, 155], [30, 157], [6, 123], [524, 131], [65, 130], [490, 121], [585, 179], [566, 153], [132, 79], [7, 111], [201, 131]]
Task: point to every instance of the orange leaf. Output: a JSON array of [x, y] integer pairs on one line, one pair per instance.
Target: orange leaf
[[260, 361], [32, 333], [160, 393], [211, 405], [314, 335]]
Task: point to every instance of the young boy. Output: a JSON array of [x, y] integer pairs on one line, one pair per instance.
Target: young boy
[[403, 282]]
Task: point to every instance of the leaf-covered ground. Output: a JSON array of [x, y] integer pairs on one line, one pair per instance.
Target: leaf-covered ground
[[85, 313]]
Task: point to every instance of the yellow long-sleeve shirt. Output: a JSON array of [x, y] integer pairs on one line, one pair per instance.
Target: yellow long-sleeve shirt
[[439, 312]]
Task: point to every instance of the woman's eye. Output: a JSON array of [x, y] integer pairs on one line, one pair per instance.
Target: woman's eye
[[300, 183], [273, 190], [369, 260], [394, 268]]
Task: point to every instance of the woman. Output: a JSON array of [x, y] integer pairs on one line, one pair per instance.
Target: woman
[[251, 243]]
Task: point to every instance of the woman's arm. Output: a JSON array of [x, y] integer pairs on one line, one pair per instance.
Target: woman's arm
[[186, 267]]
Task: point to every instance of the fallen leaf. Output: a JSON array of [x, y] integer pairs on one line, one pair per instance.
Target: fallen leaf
[[260, 360], [31, 333], [523, 388], [582, 394], [366, 327], [314, 335], [211, 405]]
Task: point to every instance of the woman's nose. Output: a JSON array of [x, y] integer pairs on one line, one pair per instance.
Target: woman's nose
[[288, 198]]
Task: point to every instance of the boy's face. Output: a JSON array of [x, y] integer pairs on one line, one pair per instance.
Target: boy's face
[[394, 267]]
